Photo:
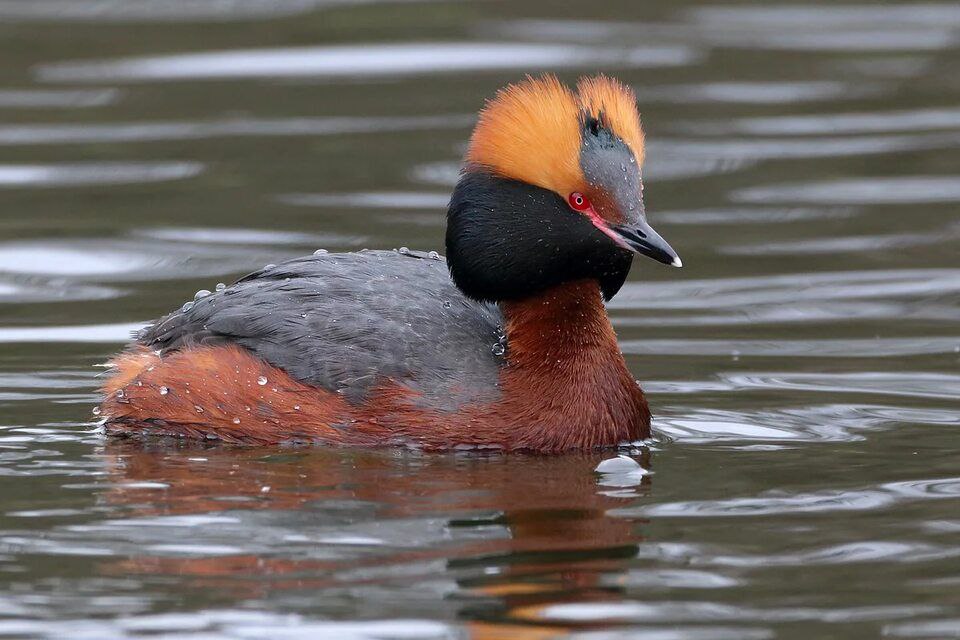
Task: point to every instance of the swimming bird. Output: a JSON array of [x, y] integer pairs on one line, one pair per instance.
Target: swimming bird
[[504, 344]]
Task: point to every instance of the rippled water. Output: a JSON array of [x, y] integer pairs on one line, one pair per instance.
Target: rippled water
[[804, 481]]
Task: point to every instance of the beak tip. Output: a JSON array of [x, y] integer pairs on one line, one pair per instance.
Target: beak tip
[[677, 262]]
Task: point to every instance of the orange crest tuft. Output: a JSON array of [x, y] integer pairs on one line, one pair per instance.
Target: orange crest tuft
[[531, 130], [618, 104]]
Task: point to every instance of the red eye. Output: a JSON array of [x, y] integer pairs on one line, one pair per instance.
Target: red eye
[[578, 201]]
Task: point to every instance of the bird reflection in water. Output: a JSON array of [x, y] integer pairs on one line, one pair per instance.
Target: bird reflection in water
[[510, 534]]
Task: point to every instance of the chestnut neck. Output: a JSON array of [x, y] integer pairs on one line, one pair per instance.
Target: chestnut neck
[[560, 326], [566, 381]]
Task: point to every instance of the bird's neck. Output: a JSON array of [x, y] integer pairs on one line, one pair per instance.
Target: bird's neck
[[565, 363], [560, 326]]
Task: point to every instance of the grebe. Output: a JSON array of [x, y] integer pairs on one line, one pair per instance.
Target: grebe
[[504, 344]]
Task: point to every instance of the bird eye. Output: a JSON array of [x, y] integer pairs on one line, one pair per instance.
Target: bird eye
[[578, 201]]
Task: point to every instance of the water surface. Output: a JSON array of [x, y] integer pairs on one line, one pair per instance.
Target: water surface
[[804, 366]]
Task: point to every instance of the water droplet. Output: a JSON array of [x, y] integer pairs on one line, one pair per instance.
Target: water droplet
[[623, 167], [269, 266], [498, 349], [198, 408], [119, 393], [236, 421], [220, 286], [633, 160], [320, 252], [203, 293], [96, 411], [447, 304], [632, 206], [403, 251], [262, 380], [186, 307], [296, 407], [620, 464], [434, 255], [164, 391], [265, 489]]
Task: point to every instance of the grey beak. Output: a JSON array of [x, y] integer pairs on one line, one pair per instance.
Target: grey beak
[[641, 238]]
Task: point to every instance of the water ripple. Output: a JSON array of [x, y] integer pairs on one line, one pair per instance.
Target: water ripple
[[370, 200], [934, 629], [56, 98], [130, 259], [212, 624], [824, 501], [837, 123], [846, 348], [118, 333], [94, 173], [885, 190], [132, 11], [843, 244], [842, 554], [810, 423], [36, 289], [789, 289], [222, 235], [715, 30], [744, 149], [758, 92], [839, 16], [667, 611], [744, 215], [366, 60], [913, 384], [113, 132]]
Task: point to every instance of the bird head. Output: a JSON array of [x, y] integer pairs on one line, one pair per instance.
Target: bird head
[[551, 191]]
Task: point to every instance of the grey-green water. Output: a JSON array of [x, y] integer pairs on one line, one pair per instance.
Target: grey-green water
[[803, 366]]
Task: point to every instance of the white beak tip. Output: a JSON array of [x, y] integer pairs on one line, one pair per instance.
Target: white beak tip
[[677, 262]]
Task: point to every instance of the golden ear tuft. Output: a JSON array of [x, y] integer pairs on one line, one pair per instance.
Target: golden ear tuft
[[618, 104], [530, 132]]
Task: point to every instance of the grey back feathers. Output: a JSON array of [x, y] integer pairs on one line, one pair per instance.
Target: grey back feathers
[[346, 322]]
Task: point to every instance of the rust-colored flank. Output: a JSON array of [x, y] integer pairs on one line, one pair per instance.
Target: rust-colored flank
[[564, 369]]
